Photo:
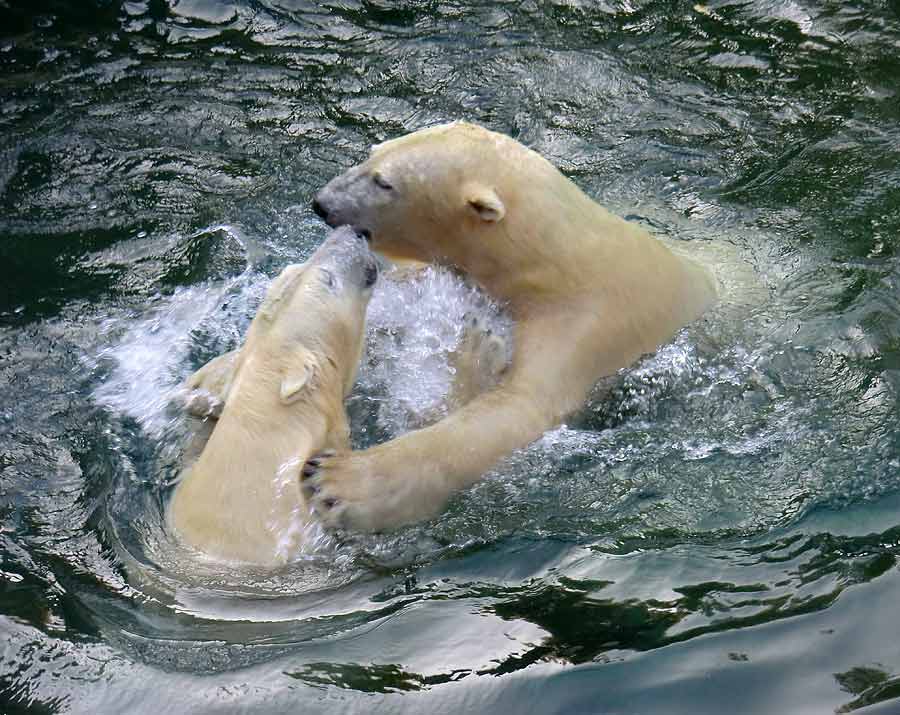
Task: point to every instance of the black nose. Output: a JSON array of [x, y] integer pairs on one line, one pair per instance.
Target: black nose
[[320, 210], [371, 274]]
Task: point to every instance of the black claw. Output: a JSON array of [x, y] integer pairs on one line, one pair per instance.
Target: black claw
[[309, 469], [329, 503]]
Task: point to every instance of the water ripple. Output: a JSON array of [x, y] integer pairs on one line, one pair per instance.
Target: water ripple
[[722, 514]]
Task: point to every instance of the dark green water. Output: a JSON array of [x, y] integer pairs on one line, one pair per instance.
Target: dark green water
[[719, 535]]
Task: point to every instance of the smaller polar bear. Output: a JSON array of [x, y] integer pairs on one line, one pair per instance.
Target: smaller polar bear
[[278, 400]]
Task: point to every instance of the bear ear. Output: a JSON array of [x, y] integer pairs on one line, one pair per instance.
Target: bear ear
[[485, 202], [299, 375]]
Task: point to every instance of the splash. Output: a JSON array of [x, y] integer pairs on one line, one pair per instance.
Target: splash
[[415, 323], [150, 357], [302, 536], [413, 327]]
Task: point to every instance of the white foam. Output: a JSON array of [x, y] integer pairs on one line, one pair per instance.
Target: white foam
[[303, 536], [149, 359], [414, 326]]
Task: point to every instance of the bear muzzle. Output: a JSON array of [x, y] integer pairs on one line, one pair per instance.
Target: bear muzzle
[[334, 220], [320, 210], [371, 273]]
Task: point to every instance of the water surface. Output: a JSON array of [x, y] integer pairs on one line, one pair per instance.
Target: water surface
[[717, 534]]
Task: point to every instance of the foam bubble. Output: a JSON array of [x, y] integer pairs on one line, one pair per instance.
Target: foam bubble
[[414, 326], [150, 357]]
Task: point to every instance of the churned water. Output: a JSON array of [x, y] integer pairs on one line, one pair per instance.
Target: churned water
[[716, 531]]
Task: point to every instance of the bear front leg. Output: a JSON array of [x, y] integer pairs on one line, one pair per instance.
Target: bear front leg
[[411, 478], [207, 388]]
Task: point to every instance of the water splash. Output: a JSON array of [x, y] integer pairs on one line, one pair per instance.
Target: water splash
[[415, 323], [413, 327], [148, 363], [304, 536]]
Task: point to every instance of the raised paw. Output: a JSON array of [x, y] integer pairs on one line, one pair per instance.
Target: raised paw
[[313, 479], [360, 490], [207, 389], [201, 403], [479, 361]]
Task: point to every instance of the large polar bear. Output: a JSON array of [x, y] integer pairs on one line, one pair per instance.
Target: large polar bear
[[281, 398], [589, 293]]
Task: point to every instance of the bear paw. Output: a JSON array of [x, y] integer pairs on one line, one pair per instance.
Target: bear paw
[[202, 403], [479, 361], [487, 351], [362, 491], [207, 389]]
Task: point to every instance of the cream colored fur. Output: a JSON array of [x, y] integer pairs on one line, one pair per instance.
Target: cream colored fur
[[278, 400], [590, 293]]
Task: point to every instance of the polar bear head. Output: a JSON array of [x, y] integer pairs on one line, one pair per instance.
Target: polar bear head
[[311, 324], [441, 194]]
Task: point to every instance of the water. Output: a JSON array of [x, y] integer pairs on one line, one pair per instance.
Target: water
[[716, 531]]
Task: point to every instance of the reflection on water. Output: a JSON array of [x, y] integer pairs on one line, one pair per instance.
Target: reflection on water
[[871, 685], [715, 531]]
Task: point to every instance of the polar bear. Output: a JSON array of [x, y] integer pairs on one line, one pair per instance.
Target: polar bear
[[279, 399], [589, 293]]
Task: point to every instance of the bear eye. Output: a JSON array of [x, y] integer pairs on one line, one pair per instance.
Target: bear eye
[[381, 182]]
